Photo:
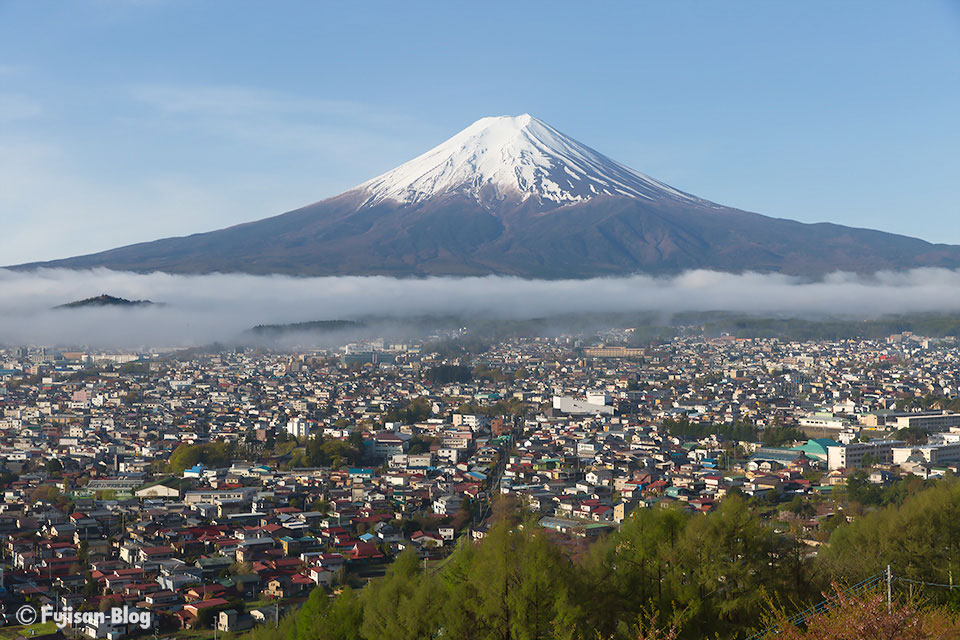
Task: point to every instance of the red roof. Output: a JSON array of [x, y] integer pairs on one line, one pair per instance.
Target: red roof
[[282, 563], [206, 604], [326, 557], [365, 550], [153, 551]]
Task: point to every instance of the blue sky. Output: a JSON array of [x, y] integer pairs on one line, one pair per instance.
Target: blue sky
[[129, 120]]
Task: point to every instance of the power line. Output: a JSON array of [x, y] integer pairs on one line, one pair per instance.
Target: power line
[[929, 584], [860, 587], [823, 605]]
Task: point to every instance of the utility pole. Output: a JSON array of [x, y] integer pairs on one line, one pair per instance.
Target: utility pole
[[889, 599]]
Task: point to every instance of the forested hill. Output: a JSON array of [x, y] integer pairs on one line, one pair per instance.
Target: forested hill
[[105, 300]]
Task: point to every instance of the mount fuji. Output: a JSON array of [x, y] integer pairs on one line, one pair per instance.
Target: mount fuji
[[514, 196]]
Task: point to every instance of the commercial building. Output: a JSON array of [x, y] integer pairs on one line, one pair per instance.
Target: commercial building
[[613, 352]]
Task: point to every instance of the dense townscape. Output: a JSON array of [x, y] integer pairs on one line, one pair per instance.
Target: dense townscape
[[217, 489]]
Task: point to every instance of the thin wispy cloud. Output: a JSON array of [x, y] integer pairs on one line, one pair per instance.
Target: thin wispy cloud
[[278, 119], [7, 69], [229, 100], [220, 307], [17, 107]]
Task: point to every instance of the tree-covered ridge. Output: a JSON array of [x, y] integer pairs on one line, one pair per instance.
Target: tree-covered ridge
[[313, 326], [935, 325]]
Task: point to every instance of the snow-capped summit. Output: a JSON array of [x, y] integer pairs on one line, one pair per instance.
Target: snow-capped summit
[[513, 158]]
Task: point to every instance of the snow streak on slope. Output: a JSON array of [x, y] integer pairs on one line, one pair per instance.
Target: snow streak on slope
[[513, 158]]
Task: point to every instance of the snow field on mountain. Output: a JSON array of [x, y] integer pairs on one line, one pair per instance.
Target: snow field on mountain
[[513, 158]]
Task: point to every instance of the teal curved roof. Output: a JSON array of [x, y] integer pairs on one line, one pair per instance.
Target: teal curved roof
[[816, 448]]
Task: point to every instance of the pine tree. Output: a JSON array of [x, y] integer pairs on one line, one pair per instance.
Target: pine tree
[[403, 604]]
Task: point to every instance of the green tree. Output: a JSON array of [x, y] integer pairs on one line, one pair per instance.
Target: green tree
[[356, 439], [511, 587], [725, 564], [311, 614], [344, 618], [211, 454], [322, 618], [47, 493], [624, 573], [447, 373], [801, 507], [404, 604], [417, 410], [91, 588]]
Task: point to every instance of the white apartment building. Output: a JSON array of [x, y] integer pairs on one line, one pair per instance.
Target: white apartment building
[[568, 404], [387, 444], [933, 453], [472, 421], [937, 422], [824, 421], [447, 505], [298, 427], [850, 456]]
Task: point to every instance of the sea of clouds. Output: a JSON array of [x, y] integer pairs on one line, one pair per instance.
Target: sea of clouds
[[199, 309]]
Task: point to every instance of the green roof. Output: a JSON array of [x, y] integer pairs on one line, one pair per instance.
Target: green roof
[[215, 561], [233, 581]]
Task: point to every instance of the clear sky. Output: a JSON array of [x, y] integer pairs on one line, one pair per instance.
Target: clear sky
[[130, 120]]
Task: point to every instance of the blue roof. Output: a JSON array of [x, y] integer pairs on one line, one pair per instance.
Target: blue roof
[[360, 471]]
